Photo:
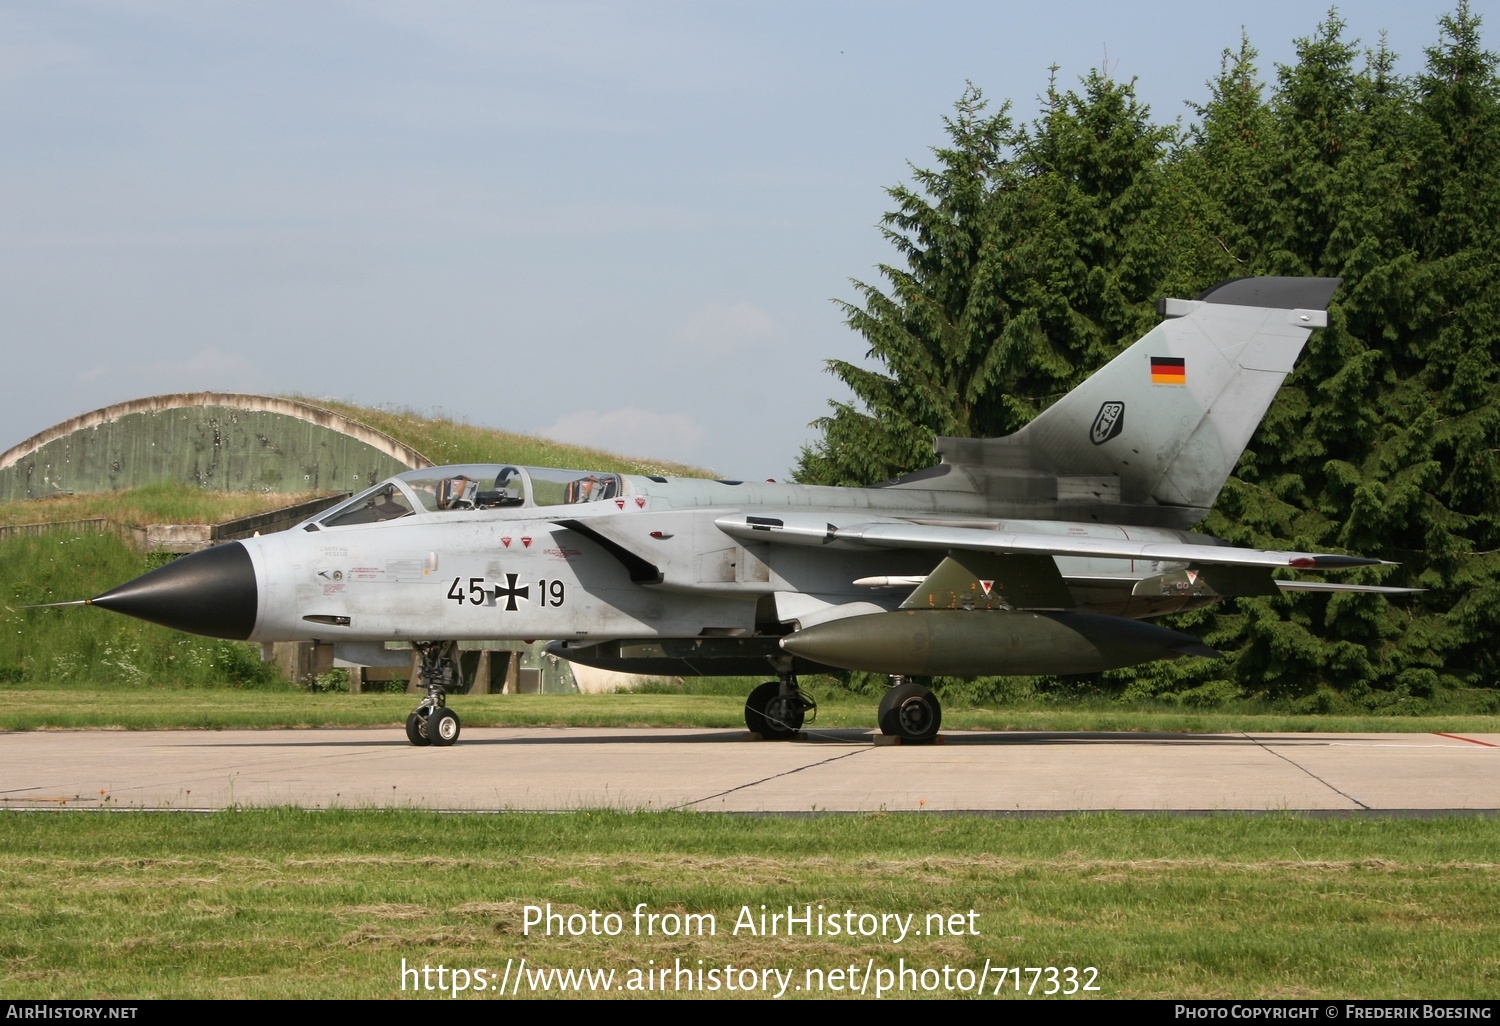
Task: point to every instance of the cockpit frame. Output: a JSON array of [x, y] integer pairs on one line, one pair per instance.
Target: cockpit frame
[[473, 486]]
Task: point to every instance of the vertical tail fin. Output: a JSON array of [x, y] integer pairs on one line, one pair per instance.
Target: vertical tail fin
[[1166, 421]]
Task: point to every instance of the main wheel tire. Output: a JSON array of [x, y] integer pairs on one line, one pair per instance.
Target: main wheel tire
[[910, 712], [416, 728], [768, 715], [443, 727]]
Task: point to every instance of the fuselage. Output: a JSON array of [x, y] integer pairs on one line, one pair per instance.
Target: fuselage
[[1039, 552], [631, 557]]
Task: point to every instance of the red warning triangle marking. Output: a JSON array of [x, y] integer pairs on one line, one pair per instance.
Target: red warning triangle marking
[[505, 542], [619, 503], [526, 542], [640, 503], [987, 586]]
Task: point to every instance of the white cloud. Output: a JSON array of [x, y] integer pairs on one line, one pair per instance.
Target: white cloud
[[719, 331], [630, 432]]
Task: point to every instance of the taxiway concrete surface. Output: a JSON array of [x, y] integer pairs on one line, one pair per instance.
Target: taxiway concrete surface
[[722, 771]]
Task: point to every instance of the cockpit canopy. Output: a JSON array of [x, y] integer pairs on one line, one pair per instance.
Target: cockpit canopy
[[468, 487]]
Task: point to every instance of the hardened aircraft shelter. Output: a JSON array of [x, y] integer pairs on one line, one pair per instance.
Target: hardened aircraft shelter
[[218, 440]]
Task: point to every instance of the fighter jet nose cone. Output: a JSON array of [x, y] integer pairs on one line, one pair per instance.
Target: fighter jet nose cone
[[211, 592]]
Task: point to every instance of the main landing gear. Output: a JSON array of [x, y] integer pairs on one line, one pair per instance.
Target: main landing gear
[[776, 709], [432, 722], [910, 711]]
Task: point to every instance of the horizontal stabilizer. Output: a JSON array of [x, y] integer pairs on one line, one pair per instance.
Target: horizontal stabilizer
[[1377, 589]]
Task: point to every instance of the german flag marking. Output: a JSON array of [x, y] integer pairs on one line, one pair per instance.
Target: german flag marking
[[1168, 370]]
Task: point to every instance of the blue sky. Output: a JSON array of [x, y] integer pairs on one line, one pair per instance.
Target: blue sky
[[621, 224]]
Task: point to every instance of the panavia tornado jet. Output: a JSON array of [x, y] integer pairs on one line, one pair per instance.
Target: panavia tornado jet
[[1043, 552]]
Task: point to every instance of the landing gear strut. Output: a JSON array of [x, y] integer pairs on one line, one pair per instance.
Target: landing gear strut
[[432, 722], [910, 711], [776, 709]]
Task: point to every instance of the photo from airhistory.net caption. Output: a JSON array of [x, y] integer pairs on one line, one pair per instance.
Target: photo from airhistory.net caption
[[868, 977]]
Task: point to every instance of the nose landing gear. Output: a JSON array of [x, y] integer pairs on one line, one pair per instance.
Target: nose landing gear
[[432, 722]]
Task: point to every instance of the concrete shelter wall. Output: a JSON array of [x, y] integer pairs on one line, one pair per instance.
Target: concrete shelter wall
[[220, 441]]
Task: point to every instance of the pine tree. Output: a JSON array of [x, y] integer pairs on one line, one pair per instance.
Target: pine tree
[[1092, 235], [1030, 256], [1383, 439], [936, 330], [1452, 321]]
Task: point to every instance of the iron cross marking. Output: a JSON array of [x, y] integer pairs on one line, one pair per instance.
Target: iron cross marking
[[510, 593]]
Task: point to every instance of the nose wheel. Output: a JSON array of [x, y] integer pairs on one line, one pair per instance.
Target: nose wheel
[[442, 727], [428, 727], [432, 722]]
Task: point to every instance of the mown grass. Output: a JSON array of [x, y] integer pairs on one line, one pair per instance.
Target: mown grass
[[167, 502], [284, 903], [182, 708], [159, 709], [61, 647]]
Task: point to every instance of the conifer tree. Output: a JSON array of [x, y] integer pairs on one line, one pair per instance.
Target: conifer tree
[[1091, 235], [1451, 321], [1031, 254], [936, 329], [1382, 440], [1310, 203]]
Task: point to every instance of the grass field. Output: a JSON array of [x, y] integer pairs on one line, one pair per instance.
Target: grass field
[[78, 707], [445, 441], [283, 903], [168, 502]]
